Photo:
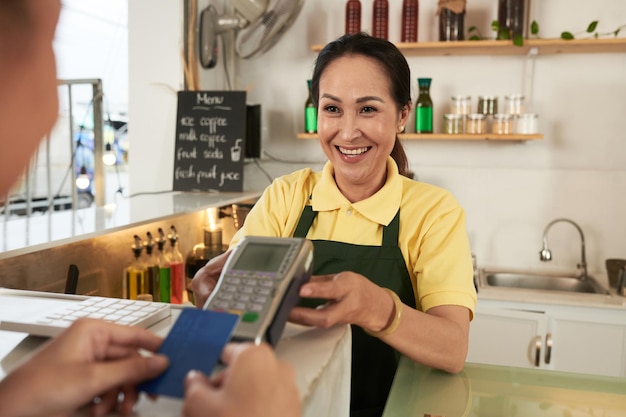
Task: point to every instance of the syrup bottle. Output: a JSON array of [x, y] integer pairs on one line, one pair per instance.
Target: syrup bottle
[[177, 268], [152, 268], [410, 16], [165, 289], [424, 107], [310, 112], [353, 16], [380, 19], [135, 273]]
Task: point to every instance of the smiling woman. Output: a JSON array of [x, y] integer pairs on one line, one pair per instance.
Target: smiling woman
[[392, 256]]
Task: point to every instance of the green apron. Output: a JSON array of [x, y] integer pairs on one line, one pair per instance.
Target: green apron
[[374, 362]]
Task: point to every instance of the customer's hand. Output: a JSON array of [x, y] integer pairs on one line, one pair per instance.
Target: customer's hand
[[352, 299], [254, 384], [206, 278], [88, 365]]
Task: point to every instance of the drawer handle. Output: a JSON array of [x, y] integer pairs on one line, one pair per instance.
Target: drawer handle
[[537, 351], [548, 348]]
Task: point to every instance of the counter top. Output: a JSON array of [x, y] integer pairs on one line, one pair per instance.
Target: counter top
[[320, 357], [488, 390], [21, 235]]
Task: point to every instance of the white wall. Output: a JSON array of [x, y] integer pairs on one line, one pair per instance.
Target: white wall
[[509, 190]]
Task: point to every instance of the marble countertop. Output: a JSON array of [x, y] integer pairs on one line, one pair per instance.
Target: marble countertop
[[20, 235]]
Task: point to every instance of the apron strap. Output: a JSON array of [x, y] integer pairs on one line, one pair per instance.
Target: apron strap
[[305, 222], [390, 232]]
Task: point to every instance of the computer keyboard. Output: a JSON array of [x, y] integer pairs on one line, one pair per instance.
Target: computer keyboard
[[121, 311]]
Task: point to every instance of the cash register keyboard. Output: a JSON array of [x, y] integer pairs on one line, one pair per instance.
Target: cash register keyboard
[[121, 311]]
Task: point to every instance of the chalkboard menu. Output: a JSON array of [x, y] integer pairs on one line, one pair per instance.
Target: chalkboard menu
[[210, 133]]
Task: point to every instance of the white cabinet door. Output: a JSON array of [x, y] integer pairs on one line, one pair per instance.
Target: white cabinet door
[[507, 337], [583, 345]]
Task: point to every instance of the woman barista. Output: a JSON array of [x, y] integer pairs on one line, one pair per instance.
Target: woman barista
[[391, 255]]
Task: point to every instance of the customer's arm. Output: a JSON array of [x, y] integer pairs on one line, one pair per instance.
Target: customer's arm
[[89, 365]]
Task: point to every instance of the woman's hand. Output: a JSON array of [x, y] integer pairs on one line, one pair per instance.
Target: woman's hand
[[352, 299], [89, 364], [254, 384], [206, 278]]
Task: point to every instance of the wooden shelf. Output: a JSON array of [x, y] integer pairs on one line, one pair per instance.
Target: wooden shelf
[[449, 137], [506, 47]]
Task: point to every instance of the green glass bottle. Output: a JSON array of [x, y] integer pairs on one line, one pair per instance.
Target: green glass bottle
[[424, 107], [310, 113]]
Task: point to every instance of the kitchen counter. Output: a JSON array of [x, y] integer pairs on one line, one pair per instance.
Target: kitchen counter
[[320, 357], [501, 391], [21, 235]]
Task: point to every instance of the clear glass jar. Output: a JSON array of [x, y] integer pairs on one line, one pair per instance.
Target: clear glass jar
[[476, 124], [527, 124], [502, 124], [514, 104], [453, 123], [461, 105], [487, 105]]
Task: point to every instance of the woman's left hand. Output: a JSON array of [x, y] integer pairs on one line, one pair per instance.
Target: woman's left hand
[[352, 299]]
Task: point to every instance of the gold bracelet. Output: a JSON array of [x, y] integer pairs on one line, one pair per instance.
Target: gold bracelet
[[397, 305]]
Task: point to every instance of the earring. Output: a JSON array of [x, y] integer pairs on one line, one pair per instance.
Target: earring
[[400, 129]]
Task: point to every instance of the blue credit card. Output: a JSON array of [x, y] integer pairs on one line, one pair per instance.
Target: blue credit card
[[194, 342]]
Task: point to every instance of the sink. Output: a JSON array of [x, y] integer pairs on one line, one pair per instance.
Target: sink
[[542, 282]]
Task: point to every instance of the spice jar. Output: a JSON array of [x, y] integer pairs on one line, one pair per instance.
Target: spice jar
[[514, 104], [461, 105], [502, 124], [476, 124], [487, 105], [527, 124], [453, 123]]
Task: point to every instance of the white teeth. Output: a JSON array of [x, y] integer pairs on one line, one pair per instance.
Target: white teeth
[[357, 151]]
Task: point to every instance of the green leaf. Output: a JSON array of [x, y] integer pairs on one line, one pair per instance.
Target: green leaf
[[592, 26], [518, 40], [567, 36], [503, 33], [474, 38], [616, 32], [534, 27], [495, 26], [472, 28]]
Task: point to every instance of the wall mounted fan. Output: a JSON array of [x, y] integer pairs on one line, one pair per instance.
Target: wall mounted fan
[[259, 25]]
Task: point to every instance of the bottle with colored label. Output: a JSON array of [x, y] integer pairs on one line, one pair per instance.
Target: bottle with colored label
[[424, 107], [177, 268], [310, 113], [165, 288]]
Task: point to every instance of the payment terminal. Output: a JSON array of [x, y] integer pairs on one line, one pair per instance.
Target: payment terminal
[[260, 283]]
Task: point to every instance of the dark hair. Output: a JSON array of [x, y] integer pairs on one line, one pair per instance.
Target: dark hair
[[391, 60]]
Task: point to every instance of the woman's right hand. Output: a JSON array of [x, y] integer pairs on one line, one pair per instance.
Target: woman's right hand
[[206, 278]]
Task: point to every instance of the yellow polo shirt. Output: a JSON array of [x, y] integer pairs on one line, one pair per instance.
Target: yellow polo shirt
[[432, 237]]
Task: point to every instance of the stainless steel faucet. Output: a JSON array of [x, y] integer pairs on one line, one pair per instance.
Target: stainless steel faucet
[[546, 255]]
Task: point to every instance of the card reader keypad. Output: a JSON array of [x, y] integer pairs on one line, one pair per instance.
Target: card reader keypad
[[246, 292]]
